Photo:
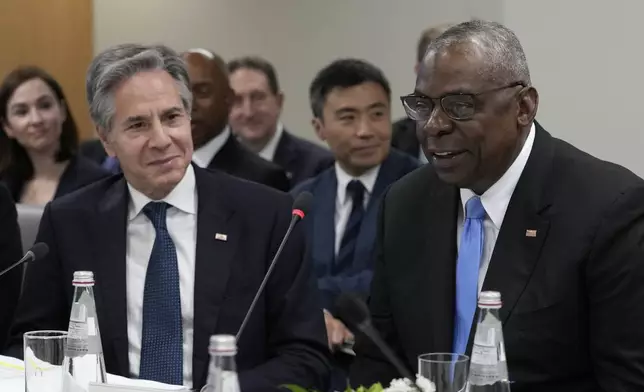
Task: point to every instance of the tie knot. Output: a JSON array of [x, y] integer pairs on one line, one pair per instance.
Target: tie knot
[[474, 208], [156, 213], [356, 190]]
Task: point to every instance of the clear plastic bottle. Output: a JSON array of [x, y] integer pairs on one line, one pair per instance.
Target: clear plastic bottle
[[84, 362], [222, 373], [488, 365]]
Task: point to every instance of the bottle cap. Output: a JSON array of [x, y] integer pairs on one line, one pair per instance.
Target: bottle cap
[[490, 299], [223, 344], [83, 278]]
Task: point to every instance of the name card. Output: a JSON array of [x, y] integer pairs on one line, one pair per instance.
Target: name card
[[93, 387]]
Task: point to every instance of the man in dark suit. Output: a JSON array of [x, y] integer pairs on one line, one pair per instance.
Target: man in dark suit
[[94, 151], [560, 232], [404, 135], [215, 147], [10, 252], [254, 118], [178, 252], [351, 104]]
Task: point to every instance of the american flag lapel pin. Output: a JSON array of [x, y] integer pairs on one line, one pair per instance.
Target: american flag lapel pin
[[221, 237], [531, 233]]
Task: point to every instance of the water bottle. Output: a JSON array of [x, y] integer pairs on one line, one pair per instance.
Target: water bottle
[[488, 366], [222, 374], [83, 362]]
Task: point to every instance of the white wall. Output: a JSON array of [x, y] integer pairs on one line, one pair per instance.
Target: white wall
[[587, 63], [298, 36], [585, 56]]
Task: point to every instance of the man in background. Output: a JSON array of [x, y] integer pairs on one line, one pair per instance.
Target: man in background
[[215, 147], [93, 150], [404, 136], [351, 105], [254, 118]]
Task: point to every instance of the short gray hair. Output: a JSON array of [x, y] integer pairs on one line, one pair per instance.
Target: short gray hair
[[504, 56], [119, 63]]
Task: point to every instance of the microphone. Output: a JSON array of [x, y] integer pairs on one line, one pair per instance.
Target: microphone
[[38, 251], [352, 311], [301, 206]]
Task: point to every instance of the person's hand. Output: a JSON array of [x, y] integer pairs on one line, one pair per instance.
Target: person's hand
[[337, 332]]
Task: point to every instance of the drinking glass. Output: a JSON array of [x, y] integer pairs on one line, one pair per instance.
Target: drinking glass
[[44, 352], [447, 371]]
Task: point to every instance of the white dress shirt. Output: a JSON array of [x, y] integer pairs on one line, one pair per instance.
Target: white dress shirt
[[204, 154], [344, 202], [495, 202], [181, 221], [268, 152]]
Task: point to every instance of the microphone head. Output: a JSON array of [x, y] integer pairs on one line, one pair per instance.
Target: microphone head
[[39, 250], [302, 204], [352, 311]]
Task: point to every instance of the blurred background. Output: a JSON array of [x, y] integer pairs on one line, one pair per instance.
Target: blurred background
[[585, 57]]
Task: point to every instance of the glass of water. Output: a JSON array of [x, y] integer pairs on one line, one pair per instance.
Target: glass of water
[[448, 372], [44, 352]]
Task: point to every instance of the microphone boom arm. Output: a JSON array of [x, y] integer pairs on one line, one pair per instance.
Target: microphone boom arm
[[260, 290]]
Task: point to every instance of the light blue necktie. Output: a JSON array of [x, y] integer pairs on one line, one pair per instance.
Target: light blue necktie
[[162, 340], [467, 272]]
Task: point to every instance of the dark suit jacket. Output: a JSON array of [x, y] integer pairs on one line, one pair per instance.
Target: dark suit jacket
[[300, 158], [284, 341], [238, 161], [10, 252], [403, 136], [79, 172], [93, 150], [573, 295], [356, 278]]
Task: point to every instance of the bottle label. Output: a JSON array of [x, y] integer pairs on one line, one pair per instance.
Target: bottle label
[[484, 366], [484, 355], [77, 339]]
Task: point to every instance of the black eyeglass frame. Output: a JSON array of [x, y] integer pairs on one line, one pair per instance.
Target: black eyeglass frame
[[413, 115]]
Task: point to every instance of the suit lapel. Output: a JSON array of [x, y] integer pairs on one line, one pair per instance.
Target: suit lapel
[[323, 222], [218, 236], [389, 173], [225, 158], [109, 239], [285, 155], [524, 229], [438, 261]]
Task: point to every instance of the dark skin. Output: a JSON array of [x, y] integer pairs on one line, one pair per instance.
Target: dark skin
[[486, 145], [212, 96]]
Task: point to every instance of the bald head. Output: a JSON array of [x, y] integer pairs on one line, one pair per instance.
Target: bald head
[[212, 95], [208, 58]]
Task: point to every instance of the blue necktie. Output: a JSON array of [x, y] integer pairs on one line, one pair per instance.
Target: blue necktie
[[467, 272], [162, 342], [352, 229]]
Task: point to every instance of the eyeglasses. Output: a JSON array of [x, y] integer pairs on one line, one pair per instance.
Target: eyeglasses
[[457, 106]]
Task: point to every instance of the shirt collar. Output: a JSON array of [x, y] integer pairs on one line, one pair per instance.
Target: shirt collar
[[182, 197], [368, 179], [497, 198], [204, 154], [268, 152]]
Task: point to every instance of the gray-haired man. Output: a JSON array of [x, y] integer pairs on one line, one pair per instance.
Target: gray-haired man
[[178, 251]]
